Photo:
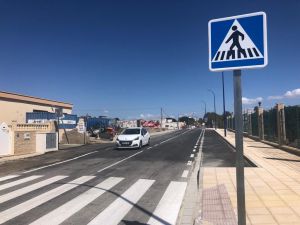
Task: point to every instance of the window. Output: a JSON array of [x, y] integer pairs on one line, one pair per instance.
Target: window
[[131, 131]]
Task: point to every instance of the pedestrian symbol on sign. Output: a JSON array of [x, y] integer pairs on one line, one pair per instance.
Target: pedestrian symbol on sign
[[238, 42], [237, 45]]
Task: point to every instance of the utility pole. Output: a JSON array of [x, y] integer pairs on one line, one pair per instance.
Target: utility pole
[[224, 110], [161, 117]]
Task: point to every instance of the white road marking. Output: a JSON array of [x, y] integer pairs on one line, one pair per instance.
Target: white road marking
[[8, 177], [58, 215], [17, 210], [61, 162], [116, 163], [185, 173], [192, 155], [17, 182], [115, 212], [168, 207], [189, 163], [194, 150], [30, 188], [201, 148]]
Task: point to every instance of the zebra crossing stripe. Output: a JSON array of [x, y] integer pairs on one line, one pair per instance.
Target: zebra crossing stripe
[[8, 177], [235, 54], [117, 210], [17, 182], [30, 188], [40, 199], [185, 173], [65, 211], [168, 207]]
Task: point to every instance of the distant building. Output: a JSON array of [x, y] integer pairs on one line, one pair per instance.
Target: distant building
[[127, 123], [172, 124], [13, 107]]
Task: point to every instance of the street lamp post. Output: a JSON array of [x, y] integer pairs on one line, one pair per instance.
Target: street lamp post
[[214, 106], [224, 110], [204, 106]]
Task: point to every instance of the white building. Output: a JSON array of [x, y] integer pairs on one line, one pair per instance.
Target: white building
[[172, 124]]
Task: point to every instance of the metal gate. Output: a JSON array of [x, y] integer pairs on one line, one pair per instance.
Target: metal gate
[[50, 140]]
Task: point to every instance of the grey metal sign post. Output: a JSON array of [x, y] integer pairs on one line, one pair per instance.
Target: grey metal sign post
[[237, 85], [235, 43]]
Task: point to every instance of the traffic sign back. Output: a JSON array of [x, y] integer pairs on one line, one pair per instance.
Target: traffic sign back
[[238, 42]]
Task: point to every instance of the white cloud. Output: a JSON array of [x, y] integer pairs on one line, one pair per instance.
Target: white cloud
[[289, 94], [106, 111], [251, 101], [292, 94]]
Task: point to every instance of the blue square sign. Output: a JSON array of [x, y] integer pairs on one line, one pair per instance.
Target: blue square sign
[[238, 42]]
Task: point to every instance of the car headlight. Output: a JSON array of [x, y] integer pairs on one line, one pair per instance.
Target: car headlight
[[137, 138]]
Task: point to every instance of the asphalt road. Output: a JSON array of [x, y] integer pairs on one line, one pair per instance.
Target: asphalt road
[[98, 184], [217, 152]]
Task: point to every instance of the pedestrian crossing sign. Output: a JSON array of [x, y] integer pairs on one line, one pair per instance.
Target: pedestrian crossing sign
[[238, 42]]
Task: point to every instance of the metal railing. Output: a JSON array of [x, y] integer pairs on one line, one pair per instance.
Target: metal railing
[[282, 127]]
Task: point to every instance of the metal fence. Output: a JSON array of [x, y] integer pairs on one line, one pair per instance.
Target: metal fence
[[96, 123], [270, 122], [292, 125], [68, 121]]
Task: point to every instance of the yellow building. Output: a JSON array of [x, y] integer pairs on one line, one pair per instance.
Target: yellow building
[[13, 107]]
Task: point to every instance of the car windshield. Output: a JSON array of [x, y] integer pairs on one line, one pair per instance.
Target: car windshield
[[131, 131]]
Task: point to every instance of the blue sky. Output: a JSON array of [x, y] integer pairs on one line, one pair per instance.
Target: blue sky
[[129, 58]]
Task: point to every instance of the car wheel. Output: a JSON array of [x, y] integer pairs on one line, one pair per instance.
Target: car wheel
[[141, 145], [148, 142]]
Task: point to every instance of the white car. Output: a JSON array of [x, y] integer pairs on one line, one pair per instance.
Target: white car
[[135, 137]]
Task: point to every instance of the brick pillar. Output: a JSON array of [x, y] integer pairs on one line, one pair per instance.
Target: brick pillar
[[281, 133], [260, 118]]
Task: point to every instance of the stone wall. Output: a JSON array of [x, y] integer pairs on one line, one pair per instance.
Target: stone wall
[[24, 142], [74, 137]]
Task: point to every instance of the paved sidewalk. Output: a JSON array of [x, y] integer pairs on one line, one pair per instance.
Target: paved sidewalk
[[272, 188]]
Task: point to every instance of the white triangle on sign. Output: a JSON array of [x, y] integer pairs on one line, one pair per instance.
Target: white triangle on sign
[[249, 49]]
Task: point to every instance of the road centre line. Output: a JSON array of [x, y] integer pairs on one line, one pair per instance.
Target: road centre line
[[61, 162], [189, 163], [192, 155], [118, 162], [80, 156]]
